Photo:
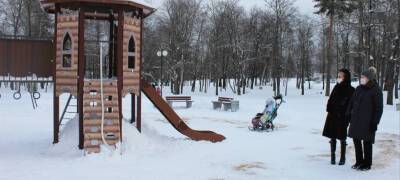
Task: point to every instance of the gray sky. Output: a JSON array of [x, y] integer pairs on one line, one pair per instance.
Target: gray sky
[[304, 6]]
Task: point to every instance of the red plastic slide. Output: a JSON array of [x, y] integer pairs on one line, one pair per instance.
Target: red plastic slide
[[175, 120]]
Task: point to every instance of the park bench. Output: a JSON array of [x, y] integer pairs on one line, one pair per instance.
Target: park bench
[[227, 103], [172, 99]]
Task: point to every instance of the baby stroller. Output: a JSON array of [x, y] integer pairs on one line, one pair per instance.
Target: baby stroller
[[264, 121]]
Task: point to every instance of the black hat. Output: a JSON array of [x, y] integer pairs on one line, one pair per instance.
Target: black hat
[[347, 75], [370, 73]]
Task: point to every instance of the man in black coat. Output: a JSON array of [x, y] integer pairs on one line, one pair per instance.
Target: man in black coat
[[365, 110], [336, 123]]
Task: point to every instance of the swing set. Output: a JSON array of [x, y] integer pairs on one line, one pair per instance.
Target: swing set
[[25, 65]]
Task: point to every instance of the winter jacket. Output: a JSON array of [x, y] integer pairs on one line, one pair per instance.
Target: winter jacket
[[336, 123], [365, 111]]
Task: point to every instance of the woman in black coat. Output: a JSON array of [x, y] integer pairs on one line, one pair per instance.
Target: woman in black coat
[[336, 123], [365, 111]]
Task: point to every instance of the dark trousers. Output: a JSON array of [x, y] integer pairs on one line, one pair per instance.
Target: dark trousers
[[363, 152]]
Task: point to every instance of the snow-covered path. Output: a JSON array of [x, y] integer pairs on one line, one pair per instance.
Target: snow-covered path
[[295, 150]]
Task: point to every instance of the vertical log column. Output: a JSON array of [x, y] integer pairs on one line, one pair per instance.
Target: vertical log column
[[120, 64], [133, 108], [56, 99], [81, 72], [111, 58], [139, 98]]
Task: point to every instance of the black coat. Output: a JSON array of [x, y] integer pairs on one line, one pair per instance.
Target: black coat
[[336, 123], [365, 110]]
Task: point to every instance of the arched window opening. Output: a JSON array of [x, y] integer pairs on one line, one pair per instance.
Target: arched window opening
[[67, 51], [131, 53], [67, 45]]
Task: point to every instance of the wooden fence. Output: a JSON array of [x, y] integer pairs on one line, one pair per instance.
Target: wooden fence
[[21, 57]]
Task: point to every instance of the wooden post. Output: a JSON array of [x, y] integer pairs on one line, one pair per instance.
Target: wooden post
[[120, 63], [81, 72], [139, 98], [139, 113], [56, 102], [56, 123], [111, 58], [133, 108]]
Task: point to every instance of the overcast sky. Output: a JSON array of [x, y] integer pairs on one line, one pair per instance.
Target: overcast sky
[[304, 6]]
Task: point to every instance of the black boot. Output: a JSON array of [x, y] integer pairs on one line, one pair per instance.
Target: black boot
[[359, 154], [366, 165], [342, 153], [333, 150]]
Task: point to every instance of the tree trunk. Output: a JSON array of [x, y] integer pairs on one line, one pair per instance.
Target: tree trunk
[[302, 75], [389, 86], [323, 66], [244, 84], [396, 82], [194, 84], [176, 87], [329, 57], [216, 86]]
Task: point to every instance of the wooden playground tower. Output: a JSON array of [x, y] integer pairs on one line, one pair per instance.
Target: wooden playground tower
[[100, 80], [121, 65]]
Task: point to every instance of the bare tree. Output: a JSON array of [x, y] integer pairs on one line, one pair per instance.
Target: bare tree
[[178, 26], [281, 10], [13, 12], [304, 37]]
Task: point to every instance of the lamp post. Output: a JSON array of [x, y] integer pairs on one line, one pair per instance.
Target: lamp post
[[161, 54]]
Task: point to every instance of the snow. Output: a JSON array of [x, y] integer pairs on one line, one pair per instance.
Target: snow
[[296, 150], [143, 2]]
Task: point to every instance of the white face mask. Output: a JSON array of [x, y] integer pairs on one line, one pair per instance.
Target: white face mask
[[364, 81], [339, 80]]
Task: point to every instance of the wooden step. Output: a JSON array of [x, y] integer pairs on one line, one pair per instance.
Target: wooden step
[[97, 115], [98, 109], [98, 96], [106, 90], [107, 129], [91, 150], [106, 103], [88, 116], [98, 122], [88, 143], [96, 83], [97, 136]]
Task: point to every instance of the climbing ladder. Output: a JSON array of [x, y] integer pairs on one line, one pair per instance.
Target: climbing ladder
[[92, 114], [70, 108]]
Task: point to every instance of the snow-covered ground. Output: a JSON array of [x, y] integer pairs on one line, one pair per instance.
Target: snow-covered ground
[[296, 150]]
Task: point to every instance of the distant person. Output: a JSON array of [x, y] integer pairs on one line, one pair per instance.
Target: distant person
[[336, 123], [365, 111]]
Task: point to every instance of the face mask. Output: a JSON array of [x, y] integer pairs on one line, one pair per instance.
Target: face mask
[[364, 81], [339, 80]]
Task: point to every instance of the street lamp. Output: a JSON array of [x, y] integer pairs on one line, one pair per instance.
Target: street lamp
[[161, 54]]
